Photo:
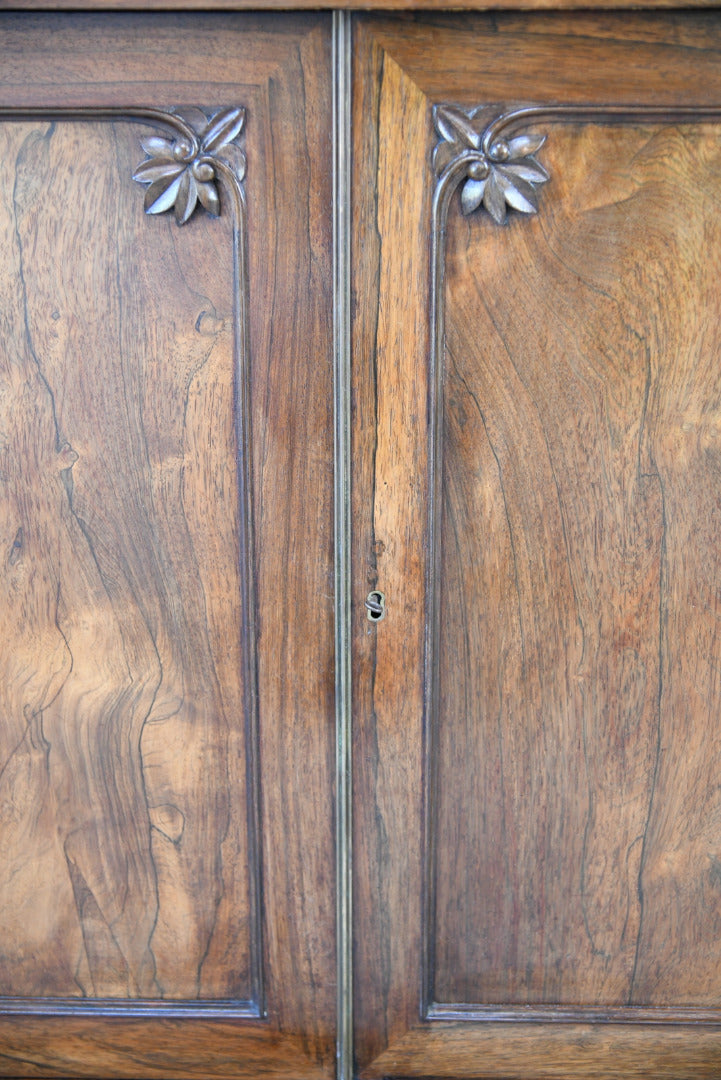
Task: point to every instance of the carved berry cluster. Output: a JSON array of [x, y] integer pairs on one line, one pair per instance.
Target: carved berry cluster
[[183, 172], [499, 172]]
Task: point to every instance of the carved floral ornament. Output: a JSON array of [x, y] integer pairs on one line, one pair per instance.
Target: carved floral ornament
[[499, 172], [182, 172]]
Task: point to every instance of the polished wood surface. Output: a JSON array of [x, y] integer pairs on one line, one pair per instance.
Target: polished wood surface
[[551, 839], [51, 1047], [391, 199], [576, 808], [548, 840], [121, 672], [128, 833], [605, 1052], [300, 5]]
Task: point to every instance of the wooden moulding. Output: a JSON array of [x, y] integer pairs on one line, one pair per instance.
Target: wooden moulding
[[348, 5]]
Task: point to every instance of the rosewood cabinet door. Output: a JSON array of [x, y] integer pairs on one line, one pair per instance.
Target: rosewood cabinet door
[[166, 654], [538, 438]]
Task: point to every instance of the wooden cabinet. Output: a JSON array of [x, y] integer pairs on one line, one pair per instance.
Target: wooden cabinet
[[500, 386]]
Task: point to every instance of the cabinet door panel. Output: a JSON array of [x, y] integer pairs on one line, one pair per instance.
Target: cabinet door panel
[[536, 802], [166, 760], [575, 630], [120, 714]]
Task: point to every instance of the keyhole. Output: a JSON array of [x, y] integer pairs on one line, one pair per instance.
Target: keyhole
[[376, 605]]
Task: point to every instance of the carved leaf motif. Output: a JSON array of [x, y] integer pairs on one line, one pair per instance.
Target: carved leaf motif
[[223, 128], [530, 170], [523, 145], [455, 126], [472, 195], [494, 199], [161, 195], [180, 175], [155, 146], [156, 169], [208, 197], [517, 192], [499, 173], [186, 198]]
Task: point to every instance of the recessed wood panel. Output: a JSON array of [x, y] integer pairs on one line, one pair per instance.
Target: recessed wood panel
[[577, 827], [125, 833]]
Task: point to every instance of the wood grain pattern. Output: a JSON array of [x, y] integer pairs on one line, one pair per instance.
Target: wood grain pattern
[[122, 679], [390, 339], [57, 1047], [459, 1052], [558, 571], [557, 58], [127, 804], [566, 634]]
